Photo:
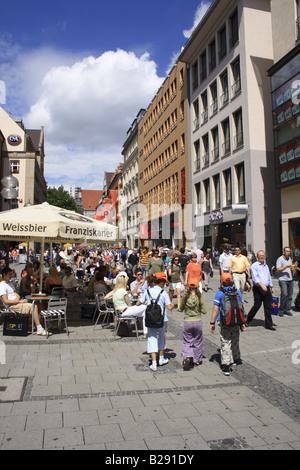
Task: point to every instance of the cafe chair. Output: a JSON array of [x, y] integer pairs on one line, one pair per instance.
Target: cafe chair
[[56, 311], [4, 310], [119, 319], [58, 292], [102, 309]]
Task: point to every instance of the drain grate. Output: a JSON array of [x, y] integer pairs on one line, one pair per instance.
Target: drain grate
[[234, 443], [12, 388]]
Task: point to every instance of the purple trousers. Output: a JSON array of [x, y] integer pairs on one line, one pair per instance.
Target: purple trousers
[[192, 340]]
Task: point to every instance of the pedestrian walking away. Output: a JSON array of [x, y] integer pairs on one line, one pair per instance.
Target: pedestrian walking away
[[229, 335], [285, 278], [157, 336], [194, 307], [262, 290]]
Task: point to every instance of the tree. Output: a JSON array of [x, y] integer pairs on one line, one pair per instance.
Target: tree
[[60, 198]]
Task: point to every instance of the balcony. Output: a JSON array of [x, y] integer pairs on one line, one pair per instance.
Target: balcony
[[238, 140], [226, 147], [204, 116], [236, 88], [224, 98], [196, 123], [205, 160], [214, 107], [197, 165], [215, 155]]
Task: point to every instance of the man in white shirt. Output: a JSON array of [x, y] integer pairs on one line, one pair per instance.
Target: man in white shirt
[[286, 282], [224, 260], [69, 281], [12, 300]]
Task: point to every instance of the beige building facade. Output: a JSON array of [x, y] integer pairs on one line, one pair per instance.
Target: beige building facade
[[285, 88], [163, 163], [22, 155], [231, 142], [129, 200]]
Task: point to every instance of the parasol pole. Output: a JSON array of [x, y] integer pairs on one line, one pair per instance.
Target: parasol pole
[[42, 265]]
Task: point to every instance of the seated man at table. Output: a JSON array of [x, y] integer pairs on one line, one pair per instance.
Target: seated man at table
[[140, 285], [69, 281], [12, 300]]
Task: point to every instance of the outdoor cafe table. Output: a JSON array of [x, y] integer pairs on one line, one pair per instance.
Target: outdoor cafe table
[[38, 298]]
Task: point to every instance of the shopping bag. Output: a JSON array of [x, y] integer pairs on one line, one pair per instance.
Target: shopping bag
[[15, 325], [275, 305]]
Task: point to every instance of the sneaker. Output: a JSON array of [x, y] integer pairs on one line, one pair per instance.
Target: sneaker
[[153, 367], [43, 332], [163, 361], [226, 370], [186, 364]]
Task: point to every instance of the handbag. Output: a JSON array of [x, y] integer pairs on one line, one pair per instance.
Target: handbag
[[15, 325]]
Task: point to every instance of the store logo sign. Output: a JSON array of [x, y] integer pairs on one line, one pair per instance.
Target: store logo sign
[[14, 139]]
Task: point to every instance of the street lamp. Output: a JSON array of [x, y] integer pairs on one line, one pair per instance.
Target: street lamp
[[9, 192]]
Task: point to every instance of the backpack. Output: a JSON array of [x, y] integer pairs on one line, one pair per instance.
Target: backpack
[[154, 317], [232, 310]]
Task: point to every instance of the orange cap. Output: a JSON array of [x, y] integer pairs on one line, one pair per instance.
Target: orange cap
[[161, 276], [226, 278]]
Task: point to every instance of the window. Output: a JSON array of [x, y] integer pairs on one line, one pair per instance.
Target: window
[[222, 43], [214, 98], [197, 198], [238, 124], [215, 142], [197, 155], [216, 185], [240, 179], [204, 115], [206, 195], [224, 98], [15, 166], [236, 76], [196, 114], [205, 150], [203, 68], [227, 195], [212, 55], [234, 29], [195, 82], [226, 137]]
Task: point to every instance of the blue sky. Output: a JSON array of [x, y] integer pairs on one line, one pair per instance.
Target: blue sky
[[83, 69]]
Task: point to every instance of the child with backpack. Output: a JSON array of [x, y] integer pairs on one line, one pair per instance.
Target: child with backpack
[[193, 306], [228, 310], [156, 319]]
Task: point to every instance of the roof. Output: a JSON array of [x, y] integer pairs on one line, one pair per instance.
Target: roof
[[90, 198]]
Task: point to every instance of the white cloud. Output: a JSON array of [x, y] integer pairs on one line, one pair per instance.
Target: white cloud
[[200, 12], [86, 109]]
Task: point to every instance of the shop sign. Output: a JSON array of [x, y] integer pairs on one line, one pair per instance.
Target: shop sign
[[14, 139], [216, 217]]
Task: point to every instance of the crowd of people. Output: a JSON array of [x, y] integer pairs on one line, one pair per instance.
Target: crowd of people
[[133, 278]]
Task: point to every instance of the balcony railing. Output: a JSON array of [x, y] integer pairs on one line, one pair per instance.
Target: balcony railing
[[197, 165], [196, 123], [205, 160], [236, 88], [238, 140]]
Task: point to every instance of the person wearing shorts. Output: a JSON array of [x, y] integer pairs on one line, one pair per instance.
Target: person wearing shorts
[[18, 305]]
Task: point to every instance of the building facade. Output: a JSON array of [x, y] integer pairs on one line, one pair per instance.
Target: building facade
[[285, 89], [129, 213], [231, 145], [22, 155], [163, 163]]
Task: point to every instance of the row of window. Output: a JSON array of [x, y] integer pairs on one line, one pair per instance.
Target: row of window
[[221, 190], [163, 103], [218, 142], [215, 51], [223, 89], [166, 158]]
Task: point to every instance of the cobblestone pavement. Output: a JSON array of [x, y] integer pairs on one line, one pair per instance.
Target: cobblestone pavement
[[90, 391]]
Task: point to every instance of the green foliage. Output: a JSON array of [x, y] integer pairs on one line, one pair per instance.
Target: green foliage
[[60, 198]]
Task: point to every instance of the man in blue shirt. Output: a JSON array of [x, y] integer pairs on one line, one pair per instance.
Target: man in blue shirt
[[262, 290]]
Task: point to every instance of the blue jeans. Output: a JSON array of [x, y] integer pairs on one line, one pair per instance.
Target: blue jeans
[[286, 296]]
